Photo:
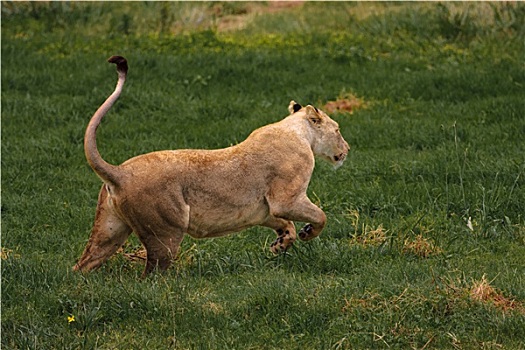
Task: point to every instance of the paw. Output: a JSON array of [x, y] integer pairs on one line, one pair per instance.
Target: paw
[[306, 232], [278, 246], [284, 241]]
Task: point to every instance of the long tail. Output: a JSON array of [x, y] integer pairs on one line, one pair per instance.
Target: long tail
[[107, 172]]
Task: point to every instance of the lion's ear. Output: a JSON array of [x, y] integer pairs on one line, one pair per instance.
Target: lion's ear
[[313, 115], [294, 107]]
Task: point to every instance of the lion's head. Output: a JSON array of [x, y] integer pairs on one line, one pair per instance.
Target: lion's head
[[327, 141]]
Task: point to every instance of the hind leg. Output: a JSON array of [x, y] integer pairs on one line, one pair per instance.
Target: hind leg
[[161, 250], [108, 234], [161, 230], [285, 234]]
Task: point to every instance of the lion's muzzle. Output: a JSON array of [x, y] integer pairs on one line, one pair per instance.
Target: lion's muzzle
[[339, 159]]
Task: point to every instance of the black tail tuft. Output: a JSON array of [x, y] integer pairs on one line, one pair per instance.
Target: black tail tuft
[[122, 64]]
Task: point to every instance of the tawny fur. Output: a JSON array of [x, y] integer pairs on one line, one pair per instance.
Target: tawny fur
[[209, 193]]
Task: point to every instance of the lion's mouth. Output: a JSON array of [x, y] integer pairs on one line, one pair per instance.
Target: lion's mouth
[[338, 160], [340, 157]]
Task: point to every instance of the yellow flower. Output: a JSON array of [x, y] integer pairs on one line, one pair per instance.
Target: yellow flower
[[71, 319]]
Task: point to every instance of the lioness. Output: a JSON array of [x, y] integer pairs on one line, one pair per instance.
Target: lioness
[[209, 193]]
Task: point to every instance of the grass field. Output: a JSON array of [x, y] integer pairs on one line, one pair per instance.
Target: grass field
[[425, 241]]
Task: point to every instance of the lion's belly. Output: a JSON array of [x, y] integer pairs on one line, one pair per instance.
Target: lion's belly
[[220, 220]]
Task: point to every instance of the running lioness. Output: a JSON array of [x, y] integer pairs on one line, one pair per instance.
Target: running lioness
[[210, 193]]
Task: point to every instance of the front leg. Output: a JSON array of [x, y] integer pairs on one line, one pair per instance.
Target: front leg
[[302, 209], [315, 218]]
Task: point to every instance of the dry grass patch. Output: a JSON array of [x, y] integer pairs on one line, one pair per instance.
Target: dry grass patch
[[345, 103], [371, 237], [132, 254], [421, 247], [8, 253], [364, 234], [236, 16], [459, 292], [139, 255], [213, 307], [481, 291]]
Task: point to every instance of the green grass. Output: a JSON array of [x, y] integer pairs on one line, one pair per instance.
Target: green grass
[[429, 205]]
